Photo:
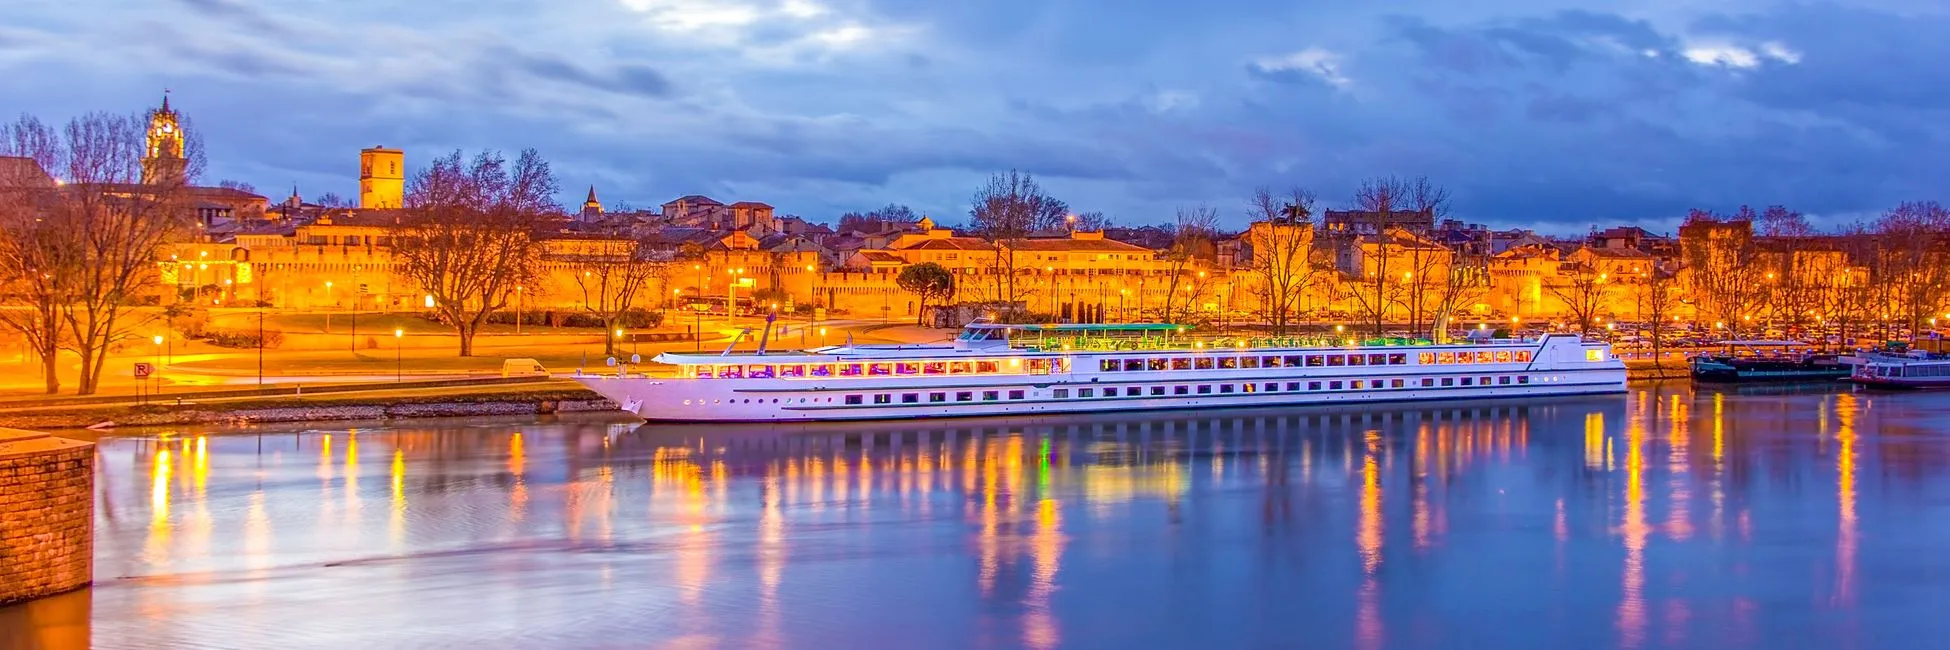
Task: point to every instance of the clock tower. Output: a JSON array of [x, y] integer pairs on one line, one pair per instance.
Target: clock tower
[[164, 162]]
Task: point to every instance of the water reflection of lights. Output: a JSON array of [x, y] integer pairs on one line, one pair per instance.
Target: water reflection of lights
[[1419, 489], [1595, 443], [1632, 607], [353, 504], [1846, 413], [1679, 522], [1369, 527], [1046, 550], [1368, 539], [257, 538], [396, 523], [325, 457], [771, 562], [159, 470]]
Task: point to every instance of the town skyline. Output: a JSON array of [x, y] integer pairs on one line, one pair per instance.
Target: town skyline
[[1706, 110]]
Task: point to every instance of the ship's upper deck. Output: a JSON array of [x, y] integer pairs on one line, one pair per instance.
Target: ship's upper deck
[[982, 339]]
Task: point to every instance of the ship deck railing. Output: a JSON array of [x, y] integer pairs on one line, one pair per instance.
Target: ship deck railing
[[1101, 344]]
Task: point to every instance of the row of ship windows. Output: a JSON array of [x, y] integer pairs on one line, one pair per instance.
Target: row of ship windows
[[888, 369], [1199, 389], [1905, 371], [1045, 366], [1310, 360]]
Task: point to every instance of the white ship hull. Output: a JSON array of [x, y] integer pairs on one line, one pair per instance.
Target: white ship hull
[[1556, 366]]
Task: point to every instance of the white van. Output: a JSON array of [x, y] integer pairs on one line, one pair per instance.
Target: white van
[[523, 368]]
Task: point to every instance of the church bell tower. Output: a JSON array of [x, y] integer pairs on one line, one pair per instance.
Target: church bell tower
[[592, 209], [164, 162], [382, 178]]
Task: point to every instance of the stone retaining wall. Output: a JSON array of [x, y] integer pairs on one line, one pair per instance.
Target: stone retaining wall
[[47, 515]]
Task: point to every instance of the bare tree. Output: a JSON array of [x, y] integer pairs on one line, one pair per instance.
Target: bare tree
[[877, 220], [1798, 264], [35, 257], [1583, 293], [1719, 257], [1281, 239], [1916, 241], [1658, 297], [115, 226], [1426, 273], [1381, 203], [611, 282], [1463, 280], [1004, 213], [1192, 234], [466, 234], [1092, 221], [1854, 298]]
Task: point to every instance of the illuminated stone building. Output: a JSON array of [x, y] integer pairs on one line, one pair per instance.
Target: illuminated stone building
[[382, 178]]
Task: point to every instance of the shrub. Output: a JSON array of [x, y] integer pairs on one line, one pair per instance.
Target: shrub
[[243, 339], [632, 319], [528, 317], [192, 322]]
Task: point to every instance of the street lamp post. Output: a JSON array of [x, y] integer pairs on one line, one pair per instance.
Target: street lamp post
[[518, 296], [1051, 272], [674, 295], [158, 339], [814, 281], [355, 311], [399, 365], [697, 317], [328, 306]]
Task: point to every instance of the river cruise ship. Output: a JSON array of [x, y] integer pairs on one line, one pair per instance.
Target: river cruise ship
[[1913, 370], [995, 369]]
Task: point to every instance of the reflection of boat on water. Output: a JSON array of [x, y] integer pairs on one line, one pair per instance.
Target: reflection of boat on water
[[1767, 361], [1164, 425], [1913, 370], [994, 369]]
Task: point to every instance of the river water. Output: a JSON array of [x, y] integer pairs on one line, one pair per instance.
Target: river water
[[1668, 517]]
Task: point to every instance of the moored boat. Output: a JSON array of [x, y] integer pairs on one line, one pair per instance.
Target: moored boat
[[1767, 361], [1913, 370], [994, 369]]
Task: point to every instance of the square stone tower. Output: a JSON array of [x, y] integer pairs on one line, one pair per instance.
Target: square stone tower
[[382, 178]]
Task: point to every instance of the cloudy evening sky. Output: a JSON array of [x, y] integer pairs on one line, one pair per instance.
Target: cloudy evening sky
[[1542, 113]]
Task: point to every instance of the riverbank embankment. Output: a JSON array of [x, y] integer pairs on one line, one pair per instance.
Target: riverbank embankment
[[445, 399]]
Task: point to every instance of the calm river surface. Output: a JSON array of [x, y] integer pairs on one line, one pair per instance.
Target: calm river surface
[[1668, 517]]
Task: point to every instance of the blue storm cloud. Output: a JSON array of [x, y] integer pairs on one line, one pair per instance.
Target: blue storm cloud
[[1549, 114]]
